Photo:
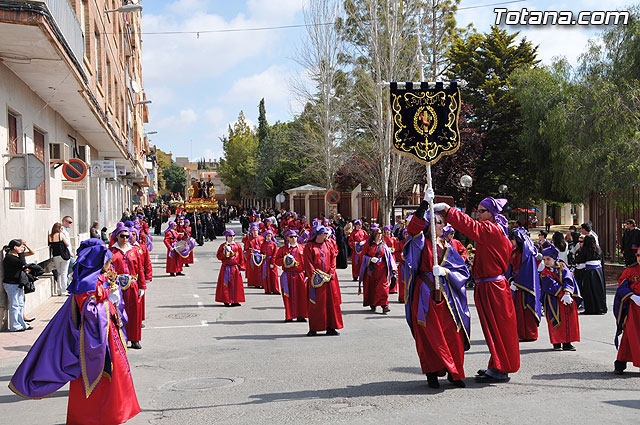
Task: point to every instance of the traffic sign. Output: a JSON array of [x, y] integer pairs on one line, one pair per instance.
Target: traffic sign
[[104, 168], [75, 170], [24, 171], [280, 198], [333, 196]]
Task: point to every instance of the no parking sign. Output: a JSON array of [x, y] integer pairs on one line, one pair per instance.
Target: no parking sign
[[75, 170]]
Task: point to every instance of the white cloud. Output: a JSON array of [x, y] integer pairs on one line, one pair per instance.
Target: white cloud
[[272, 84], [216, 116], [178, 122]]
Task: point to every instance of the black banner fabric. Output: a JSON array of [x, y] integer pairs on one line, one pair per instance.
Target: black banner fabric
[[425, 120]]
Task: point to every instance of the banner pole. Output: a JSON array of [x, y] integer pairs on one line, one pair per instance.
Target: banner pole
[[436, 279]]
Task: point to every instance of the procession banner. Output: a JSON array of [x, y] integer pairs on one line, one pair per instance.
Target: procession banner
[[425, 119]]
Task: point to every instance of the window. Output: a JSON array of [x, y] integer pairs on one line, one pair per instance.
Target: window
[[16, 197], [38, 149], [108, 86], [98, 57], [84, 24]]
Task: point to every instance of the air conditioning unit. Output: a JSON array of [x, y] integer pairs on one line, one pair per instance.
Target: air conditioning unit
[[58, 153]]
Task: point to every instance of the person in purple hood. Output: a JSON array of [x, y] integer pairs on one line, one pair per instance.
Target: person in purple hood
[[83, 344]]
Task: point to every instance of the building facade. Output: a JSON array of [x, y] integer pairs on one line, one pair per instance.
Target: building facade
[[70, 87]]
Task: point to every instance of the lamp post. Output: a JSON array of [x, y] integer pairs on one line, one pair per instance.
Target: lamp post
[[143, 102], [466, 181], [502, 189], [127, 8]]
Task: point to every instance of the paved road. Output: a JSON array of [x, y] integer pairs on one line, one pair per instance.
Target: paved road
[[203, 363]]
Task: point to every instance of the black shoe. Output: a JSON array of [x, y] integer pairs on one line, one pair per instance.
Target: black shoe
[[227, 305], [172, 274], [619, 367], [30, 320], [432, 380], [487, 379], [385, 309], [481, 372], [355, 279], [142, 325], [456, 382], [312, 333], [301, 319], [235, 304], [186, 265], [373, 308], [557, 347], [568, 347], [179, 274], [331, 331], [288, 320], [136, 345], [526, 340]]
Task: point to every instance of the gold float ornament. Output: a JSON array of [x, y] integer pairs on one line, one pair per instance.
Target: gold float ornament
[[201, 205]]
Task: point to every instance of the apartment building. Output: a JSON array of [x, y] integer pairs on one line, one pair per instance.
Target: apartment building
[[71, 87]]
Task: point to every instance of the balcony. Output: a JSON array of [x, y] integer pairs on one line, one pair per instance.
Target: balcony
[[67, 21]]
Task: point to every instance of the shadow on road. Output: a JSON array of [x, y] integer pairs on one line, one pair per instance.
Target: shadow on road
[[24, 348], [262, 337], [582, 376], [13, 398], [634, 404]]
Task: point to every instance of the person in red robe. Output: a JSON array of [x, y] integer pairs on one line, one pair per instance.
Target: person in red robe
[[174, 261], [439, 319], [323, 290], [83, 344], [148, 269], [559, 290], [253, 259], [269, 268], [626, 308], [294, 287], [378, 268], [448, 234], [128, 262], [229, 289], [187, 232], [402, 282], [492, 292], [357, 239], [393, 244]]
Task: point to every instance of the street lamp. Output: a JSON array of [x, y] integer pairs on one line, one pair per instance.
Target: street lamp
[[143, 102], [502, 189], [466, 181], [127, 8]]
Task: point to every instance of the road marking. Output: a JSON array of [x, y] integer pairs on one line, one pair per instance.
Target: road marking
[[204, 323], [201, 325], [196, 296], [200, 304]]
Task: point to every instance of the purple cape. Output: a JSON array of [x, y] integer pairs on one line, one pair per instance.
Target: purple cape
[[389, 259], [621, 308], [453, 285], [73, 344], [550, 290], [526, 278]]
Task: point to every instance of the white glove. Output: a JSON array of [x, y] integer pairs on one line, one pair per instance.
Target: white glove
[[374, 260], [566, 299], [635, 299], [440, 206], [539, 257], [429, 195], [114, 296], [440, 271], [140, 293], [514, 288], [270, 266]]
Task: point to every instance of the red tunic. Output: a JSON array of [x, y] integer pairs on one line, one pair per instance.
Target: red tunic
[[375, 285], [526, 320], [269, 269], [295, 303], [254, 273], [394, 244], [568, 328], [131, 263], [189, 258], [356, 236], [493, 298], [174, 262], [629, 348], [113, 401], [460, 249], [232, 291], [325, 313], [439, 344], [401, 284], [148, 275]]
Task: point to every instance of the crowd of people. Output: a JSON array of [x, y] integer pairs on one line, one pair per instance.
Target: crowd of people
[[516, 282]]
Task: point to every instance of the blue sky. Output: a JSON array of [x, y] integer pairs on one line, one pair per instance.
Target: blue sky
[[199, 83]]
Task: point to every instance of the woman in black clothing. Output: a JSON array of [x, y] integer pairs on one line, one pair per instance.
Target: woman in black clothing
[[14, 274], [591, 277]]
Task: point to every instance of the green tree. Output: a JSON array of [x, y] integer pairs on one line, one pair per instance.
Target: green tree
[[487, 62], [174, 178], [238, 167], [265, 152]]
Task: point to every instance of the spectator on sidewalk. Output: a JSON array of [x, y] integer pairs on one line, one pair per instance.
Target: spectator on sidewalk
[[67, 221], [14, 275], [94, 233], [630, 242], [547, 224], [59, 250], [104, 235]]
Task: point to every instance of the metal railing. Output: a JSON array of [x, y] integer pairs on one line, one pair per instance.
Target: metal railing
[[67, 21]]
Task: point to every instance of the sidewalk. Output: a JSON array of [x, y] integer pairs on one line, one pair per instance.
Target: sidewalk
[[17, 344]]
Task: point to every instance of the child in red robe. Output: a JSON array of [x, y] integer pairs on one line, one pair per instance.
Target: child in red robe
[[626, 308], [229, 289]]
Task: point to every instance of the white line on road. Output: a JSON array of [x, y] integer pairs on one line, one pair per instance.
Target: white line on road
[[200, 304], [201, 325], [196, 296], [204, 323]]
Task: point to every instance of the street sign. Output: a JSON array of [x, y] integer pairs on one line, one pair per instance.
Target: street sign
[[71, 185], [121, 170], [75, 170], [280, 198], [333, 196], [24, 171], [103, 168]]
